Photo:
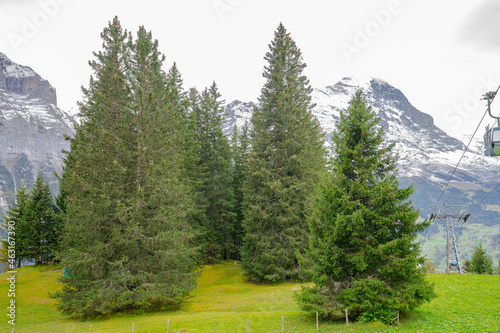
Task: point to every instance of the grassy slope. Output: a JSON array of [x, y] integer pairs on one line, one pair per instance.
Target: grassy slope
[[466, 303]]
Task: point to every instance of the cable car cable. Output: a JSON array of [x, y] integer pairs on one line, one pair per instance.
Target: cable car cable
[[484, 198], [463, 154]]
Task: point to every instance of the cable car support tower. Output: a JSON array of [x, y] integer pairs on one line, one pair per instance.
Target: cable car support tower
[[451, 217]]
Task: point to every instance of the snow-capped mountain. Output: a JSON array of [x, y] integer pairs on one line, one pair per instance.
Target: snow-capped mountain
[[32, 129], [427, 155], [424, 150]]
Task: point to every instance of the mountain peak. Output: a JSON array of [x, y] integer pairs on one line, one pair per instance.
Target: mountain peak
[[352, 83], [418, 140], [24, 81], [363, 82], [11, 69]]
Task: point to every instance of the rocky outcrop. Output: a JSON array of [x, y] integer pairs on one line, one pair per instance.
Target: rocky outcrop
[[24, 81], [32, 130]]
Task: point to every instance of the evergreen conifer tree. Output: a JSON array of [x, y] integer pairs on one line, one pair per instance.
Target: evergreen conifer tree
[[363, 253], [198, 169], [198, 176], [285, 163], [44, 227], [240, 148], [175, 92], [36, 227], [480, 262], [216, 165], [98, 180], [163, 259], [185, 104], [60, 211], [179, 103]]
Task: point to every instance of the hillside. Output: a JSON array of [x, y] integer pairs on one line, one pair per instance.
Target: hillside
[[223, 295]]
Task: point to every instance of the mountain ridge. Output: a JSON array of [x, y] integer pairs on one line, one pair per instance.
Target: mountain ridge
[[399, 118], [428, 157]]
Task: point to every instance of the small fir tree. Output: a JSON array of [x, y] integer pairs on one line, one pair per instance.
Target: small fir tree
[[363, 254], [43, 224], [480, 262]]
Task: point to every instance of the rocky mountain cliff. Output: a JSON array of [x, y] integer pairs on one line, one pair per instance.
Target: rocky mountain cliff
[[32, 129]]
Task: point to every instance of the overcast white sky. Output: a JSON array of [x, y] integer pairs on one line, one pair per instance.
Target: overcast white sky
[[443, 55]]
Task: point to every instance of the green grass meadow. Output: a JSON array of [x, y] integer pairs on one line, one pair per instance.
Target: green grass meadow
[[465, 303]]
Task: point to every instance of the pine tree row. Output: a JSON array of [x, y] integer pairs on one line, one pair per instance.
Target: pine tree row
[[148, 183], [33, 222]]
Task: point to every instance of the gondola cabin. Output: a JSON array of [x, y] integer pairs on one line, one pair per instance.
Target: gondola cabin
[[492, 135], [492, 141]]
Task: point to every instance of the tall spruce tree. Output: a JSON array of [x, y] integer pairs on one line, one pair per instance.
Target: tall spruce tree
[[98, 179], [163, 262], [179, 102], [240, 149], [216, 164], [197, 174], [126, 242], [185, 104], [285, 163], [363, 253], [196, 169]]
